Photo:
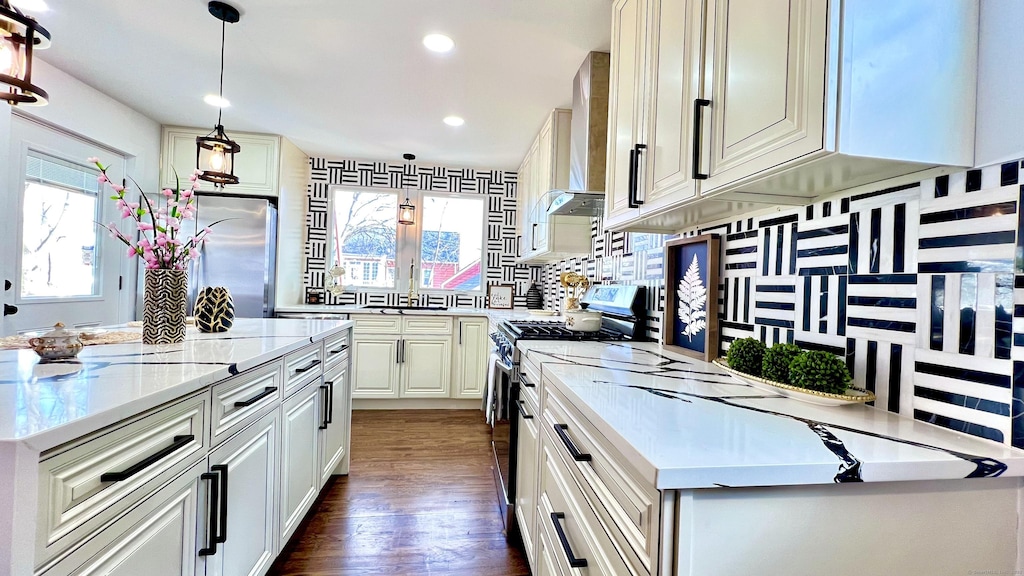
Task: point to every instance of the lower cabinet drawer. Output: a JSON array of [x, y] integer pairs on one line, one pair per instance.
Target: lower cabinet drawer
[[439, 325], [580, 543], [240, 400], [302, 366], [336, 349], [85, 486], [376, 324], [628, 506]]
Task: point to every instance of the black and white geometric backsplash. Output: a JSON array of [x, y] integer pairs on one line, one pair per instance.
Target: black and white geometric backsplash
[[500, 253], [920, 287]]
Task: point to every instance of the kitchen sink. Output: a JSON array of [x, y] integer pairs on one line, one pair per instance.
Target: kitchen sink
[[438, 308]]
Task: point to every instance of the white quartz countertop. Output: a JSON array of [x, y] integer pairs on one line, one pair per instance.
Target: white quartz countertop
[[47, 404], [685, 424], [493, 314]]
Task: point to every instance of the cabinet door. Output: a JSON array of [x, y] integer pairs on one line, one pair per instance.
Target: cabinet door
[[256, 165], [334, 438], [251, 460], [546, 550], [300, 466], [544, 168], [766, 72], [524, 202], [426, 366], [471, 356], [375, 367], [526, 478], [625, 101], [676, 30]]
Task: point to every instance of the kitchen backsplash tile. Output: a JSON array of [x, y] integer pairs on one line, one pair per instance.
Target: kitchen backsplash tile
[[500, 252], [914, 285]]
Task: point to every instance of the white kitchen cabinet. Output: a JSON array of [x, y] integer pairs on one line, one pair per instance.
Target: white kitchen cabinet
[[471, 354], [246, 470], [426, 366], [375, 366], [301, 417], [335, 428], [526, 476], [257, 165], [547, 238]]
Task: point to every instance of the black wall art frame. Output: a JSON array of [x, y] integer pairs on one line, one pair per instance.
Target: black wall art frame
[[690, 323]]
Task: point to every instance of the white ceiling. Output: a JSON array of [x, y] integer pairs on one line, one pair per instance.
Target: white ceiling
[[341, 78]]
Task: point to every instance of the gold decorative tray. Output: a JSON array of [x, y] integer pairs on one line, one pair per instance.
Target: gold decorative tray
[[852, 396]]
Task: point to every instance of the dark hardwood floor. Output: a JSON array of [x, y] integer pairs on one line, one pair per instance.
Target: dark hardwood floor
[[419, 499]]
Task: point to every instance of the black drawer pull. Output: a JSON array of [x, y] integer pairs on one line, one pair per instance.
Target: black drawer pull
[[211, 532], [338, 350], [324, 421], [698, 117], [330, 402], [522, 410], [526, 382], [631, 192], [307, 367], [222, 533], [575, 562], [179, 443], [266, 392], [578, 456]]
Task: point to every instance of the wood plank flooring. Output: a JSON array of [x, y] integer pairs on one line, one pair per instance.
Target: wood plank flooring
[[419, 499]]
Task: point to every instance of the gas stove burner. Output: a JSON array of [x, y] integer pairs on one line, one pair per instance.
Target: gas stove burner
[[553, 330]]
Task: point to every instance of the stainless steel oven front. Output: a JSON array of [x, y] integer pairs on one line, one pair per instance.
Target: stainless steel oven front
[[505, 430]]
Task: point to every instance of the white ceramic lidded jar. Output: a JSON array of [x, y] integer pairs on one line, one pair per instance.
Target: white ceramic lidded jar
[[58, 344]]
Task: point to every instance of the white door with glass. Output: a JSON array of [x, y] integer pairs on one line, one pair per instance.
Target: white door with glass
[[66, 267]]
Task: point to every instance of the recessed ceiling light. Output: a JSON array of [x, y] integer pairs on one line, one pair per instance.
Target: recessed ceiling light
[[31, 5], [438, 43], [454, 121], [216, 101]]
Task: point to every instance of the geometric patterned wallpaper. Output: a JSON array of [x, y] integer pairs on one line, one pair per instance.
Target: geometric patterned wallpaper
[[919, 287], [500, 251]]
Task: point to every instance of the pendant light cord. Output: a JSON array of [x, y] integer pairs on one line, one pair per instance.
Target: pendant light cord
[[220, 109]]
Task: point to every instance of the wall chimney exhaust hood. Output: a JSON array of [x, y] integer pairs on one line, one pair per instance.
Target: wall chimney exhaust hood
[[588, 142]]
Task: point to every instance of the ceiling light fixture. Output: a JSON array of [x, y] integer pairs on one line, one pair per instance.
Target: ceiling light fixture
[[406, 210], [216, 101], [215, 152], [454, 121], [438, 43], [20, 35]]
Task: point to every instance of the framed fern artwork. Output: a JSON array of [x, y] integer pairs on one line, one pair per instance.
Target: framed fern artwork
[[691, 296]]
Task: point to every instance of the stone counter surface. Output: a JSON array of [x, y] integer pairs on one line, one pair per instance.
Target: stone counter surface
[[686, 424], [43, 405], [493, 314]]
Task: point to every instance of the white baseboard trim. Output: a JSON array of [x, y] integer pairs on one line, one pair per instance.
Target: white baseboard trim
[[415, 404]]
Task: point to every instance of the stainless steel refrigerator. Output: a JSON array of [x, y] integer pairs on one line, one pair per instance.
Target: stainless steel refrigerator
[[241, 254]]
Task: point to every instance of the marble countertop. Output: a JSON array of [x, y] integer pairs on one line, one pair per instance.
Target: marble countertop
[[47, 404], [685, 424], [496, 315]]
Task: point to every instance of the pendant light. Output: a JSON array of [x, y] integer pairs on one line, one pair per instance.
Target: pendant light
[[406, 211], [215, 152], [20, 35]]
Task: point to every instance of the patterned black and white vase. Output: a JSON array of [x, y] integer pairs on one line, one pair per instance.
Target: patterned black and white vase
[[214, 311], [164, 300]]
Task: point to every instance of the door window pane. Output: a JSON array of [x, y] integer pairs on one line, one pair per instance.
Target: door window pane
[[60, 236], [364, 240], [452, 243]]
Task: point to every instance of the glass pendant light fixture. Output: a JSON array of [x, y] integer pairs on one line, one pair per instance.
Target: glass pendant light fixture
[[406, 211], [215, 152], [20, 35]]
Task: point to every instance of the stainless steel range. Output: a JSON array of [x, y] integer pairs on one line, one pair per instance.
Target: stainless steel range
[[623, 308]]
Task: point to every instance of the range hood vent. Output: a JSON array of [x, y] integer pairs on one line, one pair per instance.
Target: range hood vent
[[588, 141]]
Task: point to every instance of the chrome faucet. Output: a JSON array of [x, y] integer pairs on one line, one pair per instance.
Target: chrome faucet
[[412, 281]]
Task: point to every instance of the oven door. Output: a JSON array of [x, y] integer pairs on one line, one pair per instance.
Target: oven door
[[504, 432]]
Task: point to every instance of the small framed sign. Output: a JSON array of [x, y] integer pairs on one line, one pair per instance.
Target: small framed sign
[[500, 296], [691, 296]]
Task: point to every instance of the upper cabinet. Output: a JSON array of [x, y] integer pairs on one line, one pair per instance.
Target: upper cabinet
[[721, 106], [257, 166], [542, 237]]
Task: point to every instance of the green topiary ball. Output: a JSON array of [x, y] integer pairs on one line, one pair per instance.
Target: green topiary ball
[[746, 355], [777, 359], [820, 371]]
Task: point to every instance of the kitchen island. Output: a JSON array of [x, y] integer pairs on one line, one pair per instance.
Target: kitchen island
[[118, 462], [680, 468]]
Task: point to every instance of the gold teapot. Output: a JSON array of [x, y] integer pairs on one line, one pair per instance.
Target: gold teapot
[[58, 344]]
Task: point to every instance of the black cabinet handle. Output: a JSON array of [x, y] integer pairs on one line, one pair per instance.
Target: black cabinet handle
[[533, 236], [578, 456], [222, 532], [526, 382], [249, 402], [631, 196], [324, 419], [522, 410], [211, 532], [398, 351], [556, 518], [179, 443], [338, 350], [698, 106], [636, 174], [402, 345], [10, 310], [330, 402], [307, 367], [460, 333]]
